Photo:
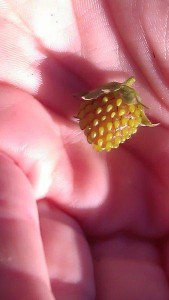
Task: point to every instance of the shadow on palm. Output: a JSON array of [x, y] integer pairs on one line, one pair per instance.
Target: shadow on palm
[[122, 190]]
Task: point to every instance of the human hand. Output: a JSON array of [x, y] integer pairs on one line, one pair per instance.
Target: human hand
[[75, 223]]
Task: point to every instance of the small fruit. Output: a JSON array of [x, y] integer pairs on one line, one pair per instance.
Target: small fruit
[[111, 114]]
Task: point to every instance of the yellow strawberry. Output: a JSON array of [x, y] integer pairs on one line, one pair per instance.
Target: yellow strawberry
[[111, 114]]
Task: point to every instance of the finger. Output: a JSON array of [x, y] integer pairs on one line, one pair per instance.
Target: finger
[[23, 273], [29, 135], [129, 269], [51, 152], [67, 255], [149, 49]]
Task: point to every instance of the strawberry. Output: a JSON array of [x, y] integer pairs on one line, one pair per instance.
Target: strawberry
[[112, 117]]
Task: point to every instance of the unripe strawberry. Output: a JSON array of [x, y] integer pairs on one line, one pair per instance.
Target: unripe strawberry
[[110, 119]]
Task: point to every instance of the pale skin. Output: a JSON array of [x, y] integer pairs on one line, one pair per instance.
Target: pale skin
[[75, 224]]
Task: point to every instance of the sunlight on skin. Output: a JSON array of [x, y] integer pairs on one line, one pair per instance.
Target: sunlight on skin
[[20, 241], [71, 273], [49, 52]]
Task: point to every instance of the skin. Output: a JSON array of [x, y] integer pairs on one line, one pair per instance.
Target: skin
[[74, 223]]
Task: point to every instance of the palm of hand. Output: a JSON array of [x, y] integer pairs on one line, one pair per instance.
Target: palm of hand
[[119, 200]]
